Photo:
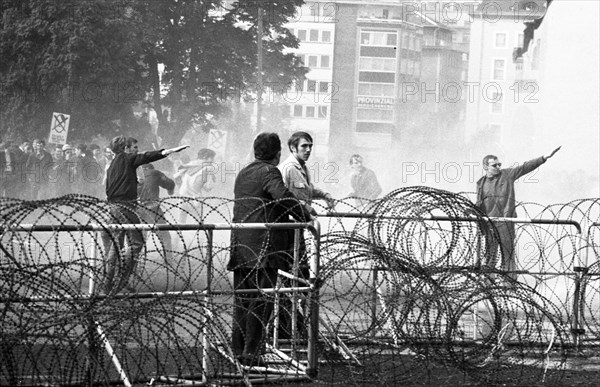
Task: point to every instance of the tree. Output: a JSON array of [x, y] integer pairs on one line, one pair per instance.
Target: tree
[[94, 59]]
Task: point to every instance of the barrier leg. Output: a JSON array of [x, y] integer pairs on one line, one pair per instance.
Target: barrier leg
[[313, 331]]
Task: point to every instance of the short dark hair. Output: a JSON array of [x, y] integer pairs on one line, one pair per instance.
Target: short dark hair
[[206, 153], [118, 144], [487, 158], [295, 139], [266, 146], [355, 156], [40, 140], [129, 141], [82, 147]]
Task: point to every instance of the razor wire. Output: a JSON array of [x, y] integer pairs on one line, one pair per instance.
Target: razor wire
[[401, 296]]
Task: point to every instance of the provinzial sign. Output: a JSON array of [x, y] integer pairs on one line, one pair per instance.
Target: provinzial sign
[[376, 102], [59, 128]]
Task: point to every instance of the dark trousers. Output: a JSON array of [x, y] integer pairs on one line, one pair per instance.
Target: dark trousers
[[152, 213], [504, 240], [252, 311], [121, 259]]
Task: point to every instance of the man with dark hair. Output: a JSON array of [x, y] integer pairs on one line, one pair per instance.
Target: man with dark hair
[[295, 173], [121, 194], [256, 255], [496, 198], [39, 168], [364, 183]]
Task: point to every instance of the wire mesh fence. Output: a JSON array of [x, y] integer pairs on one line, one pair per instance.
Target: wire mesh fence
[[412, 288]]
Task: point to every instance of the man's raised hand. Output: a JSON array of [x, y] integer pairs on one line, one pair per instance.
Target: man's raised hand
[[553, 152], [167, 152]]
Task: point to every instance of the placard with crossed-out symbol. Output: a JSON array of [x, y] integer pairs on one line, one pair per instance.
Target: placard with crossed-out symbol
[[59, 128], [217, 139], [60, 122]]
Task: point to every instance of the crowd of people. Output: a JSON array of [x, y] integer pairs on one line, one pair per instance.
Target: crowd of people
[[266, 191], [35, 171]]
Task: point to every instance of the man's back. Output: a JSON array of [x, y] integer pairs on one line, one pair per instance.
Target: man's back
[[149, 188]]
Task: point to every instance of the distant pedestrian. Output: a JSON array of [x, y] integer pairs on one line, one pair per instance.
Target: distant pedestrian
[[149, 196], [197, 179], [38, 169], [88, 172], [364, 183]]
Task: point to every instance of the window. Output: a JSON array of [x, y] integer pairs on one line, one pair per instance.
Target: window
[[297, 110], [325, 61], [326, 36], [392, 39], [310, 112], [374, 115], [323, 87], [378, 38], [311, 86], [499, 69], [377, 64], [284, 110], [500, 40], [312, 61], [314, 35], [378, 89], [496, 102], [322, 111], [520, 40], [302, 35], [365, 38]]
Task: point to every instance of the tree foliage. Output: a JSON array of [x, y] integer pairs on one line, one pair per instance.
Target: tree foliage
[[98, 59]]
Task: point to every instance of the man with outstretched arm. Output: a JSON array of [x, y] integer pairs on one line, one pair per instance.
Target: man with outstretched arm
[[121, 194], [496, 198]]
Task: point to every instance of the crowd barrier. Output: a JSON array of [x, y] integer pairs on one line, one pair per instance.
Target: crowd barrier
[[395, 292]]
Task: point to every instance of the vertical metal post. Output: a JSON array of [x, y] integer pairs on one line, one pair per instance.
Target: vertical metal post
[[91, 329], [208, 300], [259, 70], [374, 302], [313, 331], [295, 272], [580, 270], [276, 310]]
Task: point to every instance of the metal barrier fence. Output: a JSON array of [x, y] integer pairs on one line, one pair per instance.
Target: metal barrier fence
[[401, 297]]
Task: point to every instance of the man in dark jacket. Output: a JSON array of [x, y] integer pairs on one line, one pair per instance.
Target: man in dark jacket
[[256, 255], [39, 169], [152, 180], [121, 194], [496, 198]]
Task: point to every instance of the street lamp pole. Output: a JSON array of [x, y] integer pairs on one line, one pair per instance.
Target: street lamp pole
[[259, 77]]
